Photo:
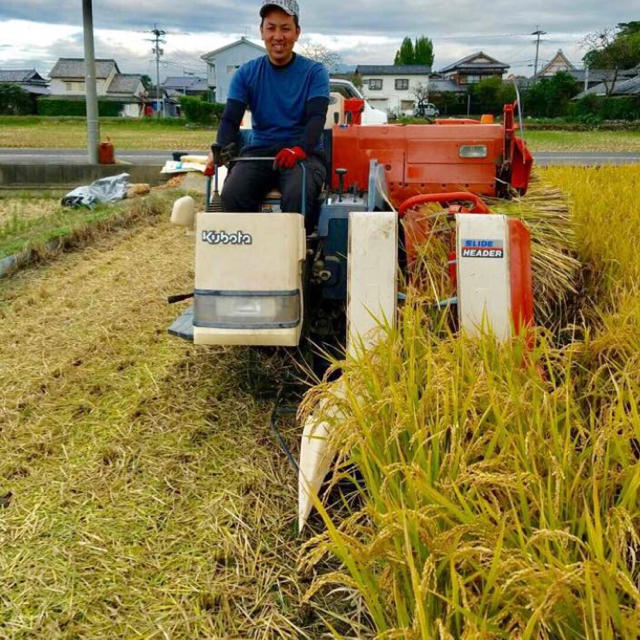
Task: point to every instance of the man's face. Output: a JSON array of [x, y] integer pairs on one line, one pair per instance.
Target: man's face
[[279, 33]]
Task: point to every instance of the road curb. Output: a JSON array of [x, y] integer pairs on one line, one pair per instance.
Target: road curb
[[72, 175]]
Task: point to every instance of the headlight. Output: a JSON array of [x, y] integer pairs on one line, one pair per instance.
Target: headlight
[[246, 310], [473, 151]]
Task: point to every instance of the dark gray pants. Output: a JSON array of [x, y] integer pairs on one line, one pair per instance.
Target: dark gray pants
[[249, 181]]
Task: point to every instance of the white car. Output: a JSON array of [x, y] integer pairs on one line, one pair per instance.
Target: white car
[[426, 110], [346, 88]]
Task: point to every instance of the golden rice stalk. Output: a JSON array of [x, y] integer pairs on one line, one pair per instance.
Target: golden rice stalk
[[556, 270], [554, 263]]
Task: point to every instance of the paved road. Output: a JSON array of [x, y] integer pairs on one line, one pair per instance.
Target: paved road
[[79, 156], [150, 157]]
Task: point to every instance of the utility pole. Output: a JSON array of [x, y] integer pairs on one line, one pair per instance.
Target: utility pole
[[586, 76], [538, 32], [93, 126], [157, 41]]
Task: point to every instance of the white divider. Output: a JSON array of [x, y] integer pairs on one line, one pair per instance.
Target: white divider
[[372, 294], [371, 278]]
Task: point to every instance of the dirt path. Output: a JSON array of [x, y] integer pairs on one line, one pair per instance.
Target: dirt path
[[143, 494]]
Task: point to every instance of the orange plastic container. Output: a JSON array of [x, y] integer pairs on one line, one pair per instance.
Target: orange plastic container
[[105, 153]]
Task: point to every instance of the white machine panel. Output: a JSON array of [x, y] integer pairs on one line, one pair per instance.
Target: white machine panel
[[484, 290], [371, 277], [248, 285]]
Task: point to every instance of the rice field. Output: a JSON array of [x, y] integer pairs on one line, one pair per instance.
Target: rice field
[[71, 133], [35, 226], [497, 493], [142, 494], [27, 206], [540, 140]]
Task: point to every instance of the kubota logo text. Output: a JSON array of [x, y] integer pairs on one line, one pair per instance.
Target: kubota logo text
[[222, 237]]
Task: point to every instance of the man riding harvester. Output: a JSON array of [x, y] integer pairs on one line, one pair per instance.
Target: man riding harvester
[[304, 241]]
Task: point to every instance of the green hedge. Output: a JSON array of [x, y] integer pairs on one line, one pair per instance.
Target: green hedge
[[200, 111], [62, 107], [598, 108]]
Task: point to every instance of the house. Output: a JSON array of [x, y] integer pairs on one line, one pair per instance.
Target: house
[[626, 86], [190, 85], [68, 81], [128, 89], [222, 64], [439, 85], [176, 86], [68, 74], [393, 87], [586, 78], [558, 63], [28, 80], [474, 68]]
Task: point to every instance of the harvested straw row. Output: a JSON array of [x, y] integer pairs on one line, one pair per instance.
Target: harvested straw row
[[144, 496], [555, 267]]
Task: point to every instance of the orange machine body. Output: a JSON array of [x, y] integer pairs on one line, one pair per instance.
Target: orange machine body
[[430, 158]]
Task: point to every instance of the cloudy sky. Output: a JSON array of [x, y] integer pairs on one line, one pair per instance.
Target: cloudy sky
[[34, 33]]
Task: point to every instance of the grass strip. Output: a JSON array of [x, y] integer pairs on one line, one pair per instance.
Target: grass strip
[[40, 228]]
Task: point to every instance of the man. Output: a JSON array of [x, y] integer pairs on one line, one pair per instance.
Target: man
[[288, 96]]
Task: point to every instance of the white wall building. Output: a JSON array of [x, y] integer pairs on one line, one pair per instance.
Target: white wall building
[[222, 64], [392, 87], [67, 76], [68, 81]]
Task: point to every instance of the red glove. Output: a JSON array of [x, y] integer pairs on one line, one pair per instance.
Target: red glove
[[288, 157]]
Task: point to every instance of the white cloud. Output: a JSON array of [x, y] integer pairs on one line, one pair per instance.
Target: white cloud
[[35, 33]]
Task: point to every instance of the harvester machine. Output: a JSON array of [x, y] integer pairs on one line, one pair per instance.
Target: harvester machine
[[262, 279]]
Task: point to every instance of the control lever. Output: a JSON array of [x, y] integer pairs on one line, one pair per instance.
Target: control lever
[[341, 174], [215, 203]]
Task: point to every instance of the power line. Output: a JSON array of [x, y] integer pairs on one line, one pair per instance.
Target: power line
[[475, 36]]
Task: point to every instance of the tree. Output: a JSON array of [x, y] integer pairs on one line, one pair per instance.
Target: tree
[[421, 94], [320, 53], [356, 78], [550, 97], [419, 53], [613, 49], [15, 101], [405, 54], [629, 28], [423, 51], [146, 82], [491, 94]]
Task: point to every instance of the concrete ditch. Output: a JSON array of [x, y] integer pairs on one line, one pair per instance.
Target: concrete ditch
[[34, 176]]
